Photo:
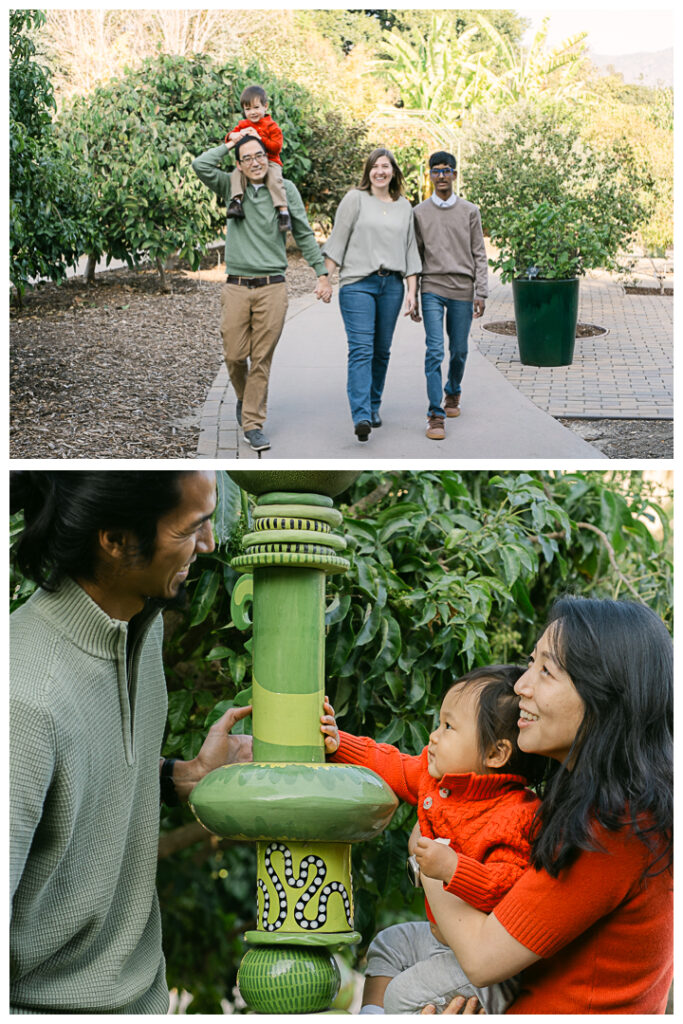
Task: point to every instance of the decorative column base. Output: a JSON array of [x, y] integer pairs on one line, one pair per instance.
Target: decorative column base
[[288, 979]]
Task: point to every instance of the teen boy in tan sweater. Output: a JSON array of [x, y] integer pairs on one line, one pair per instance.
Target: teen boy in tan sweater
[[454, 282]]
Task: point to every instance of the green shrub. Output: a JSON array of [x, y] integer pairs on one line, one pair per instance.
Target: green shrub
[[534, 173], [135, 138], [48, 206]]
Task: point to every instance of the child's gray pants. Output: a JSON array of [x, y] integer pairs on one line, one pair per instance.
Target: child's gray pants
[[423, 971]]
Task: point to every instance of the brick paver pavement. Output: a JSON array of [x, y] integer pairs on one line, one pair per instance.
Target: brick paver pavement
[[625, 374]]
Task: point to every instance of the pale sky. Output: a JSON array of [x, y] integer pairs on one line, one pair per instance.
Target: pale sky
[[610, 32]]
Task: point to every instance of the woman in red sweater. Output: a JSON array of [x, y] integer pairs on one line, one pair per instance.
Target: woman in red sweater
[[470, 788], [590, 923]]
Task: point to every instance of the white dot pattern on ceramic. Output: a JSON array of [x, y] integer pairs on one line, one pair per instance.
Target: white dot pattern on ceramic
[[299, 882]]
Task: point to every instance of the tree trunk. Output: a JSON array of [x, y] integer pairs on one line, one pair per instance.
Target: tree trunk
[[165, 283], [89, 273]]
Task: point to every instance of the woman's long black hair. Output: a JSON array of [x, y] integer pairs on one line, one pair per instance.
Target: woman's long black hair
[[619, 771], [64, 510]]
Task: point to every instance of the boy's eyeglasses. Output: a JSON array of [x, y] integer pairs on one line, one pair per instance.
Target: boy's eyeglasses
[[437, 172], [248, 160]]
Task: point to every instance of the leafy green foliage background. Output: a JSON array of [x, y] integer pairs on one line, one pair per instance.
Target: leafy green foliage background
[[47, 210], [108, 173]]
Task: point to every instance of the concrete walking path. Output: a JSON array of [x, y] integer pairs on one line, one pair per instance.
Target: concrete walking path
[[309, 418]]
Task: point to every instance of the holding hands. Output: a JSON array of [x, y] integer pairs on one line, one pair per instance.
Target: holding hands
[[329, 728], [323, 290]]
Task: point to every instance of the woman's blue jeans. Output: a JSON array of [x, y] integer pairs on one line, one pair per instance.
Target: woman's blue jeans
[[458, 322], [369, 309]]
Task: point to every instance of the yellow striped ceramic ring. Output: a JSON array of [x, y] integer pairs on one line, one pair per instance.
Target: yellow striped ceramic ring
[[326, 515], [330, 563], [306, 549], [294, 537], [282, 523]]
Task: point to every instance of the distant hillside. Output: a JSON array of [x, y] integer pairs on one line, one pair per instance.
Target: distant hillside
[[640, 68]]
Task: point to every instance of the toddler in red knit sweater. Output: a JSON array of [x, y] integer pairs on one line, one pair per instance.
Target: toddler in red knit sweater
[[258, 122], [474, 818]]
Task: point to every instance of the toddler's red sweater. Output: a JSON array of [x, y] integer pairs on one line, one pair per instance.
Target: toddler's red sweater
[[270, 135], [486, 817]]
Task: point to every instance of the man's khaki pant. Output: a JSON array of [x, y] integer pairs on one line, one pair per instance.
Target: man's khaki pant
[[251, 324]]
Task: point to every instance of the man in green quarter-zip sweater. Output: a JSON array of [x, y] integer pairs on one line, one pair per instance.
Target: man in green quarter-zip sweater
[[254, 297], [109, 549]]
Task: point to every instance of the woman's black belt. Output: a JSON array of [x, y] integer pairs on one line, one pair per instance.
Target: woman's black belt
[[255, 282], [383, 272]]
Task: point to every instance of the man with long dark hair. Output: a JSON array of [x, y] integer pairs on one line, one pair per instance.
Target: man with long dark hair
[[88, 705]]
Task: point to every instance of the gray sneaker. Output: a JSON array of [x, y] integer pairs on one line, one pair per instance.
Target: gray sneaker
[[238, 411], [256, 439]]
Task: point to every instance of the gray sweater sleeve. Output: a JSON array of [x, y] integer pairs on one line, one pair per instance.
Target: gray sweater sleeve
[[413, 261], [32, 760], [344, 220]]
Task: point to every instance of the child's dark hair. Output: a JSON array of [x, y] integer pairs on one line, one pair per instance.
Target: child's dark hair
[[497, 718], [253, 92]]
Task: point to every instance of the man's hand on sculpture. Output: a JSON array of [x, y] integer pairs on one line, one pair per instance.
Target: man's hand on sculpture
[[218, 748], [329, 728]]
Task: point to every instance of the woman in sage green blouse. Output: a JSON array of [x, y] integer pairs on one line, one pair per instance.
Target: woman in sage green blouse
[[373, 244]]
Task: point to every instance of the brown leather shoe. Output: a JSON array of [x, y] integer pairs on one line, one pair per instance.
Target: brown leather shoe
[[435, 428], [452, 405]]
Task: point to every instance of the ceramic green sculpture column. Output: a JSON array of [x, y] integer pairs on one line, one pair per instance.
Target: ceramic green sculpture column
[[302, 812]]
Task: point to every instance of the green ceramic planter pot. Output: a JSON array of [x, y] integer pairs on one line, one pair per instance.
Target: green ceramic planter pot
[[546, 313]]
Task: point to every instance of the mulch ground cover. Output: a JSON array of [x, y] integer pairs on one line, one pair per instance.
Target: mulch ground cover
[[509, 328], [118, 369]]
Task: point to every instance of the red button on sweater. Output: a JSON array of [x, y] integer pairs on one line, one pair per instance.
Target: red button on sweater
[[486, 817]]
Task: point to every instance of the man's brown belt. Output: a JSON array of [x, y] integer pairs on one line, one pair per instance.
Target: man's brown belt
[[255, 282]]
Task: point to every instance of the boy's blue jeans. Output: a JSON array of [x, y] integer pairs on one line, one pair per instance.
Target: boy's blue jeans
[[370, 309], [458, 322]]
